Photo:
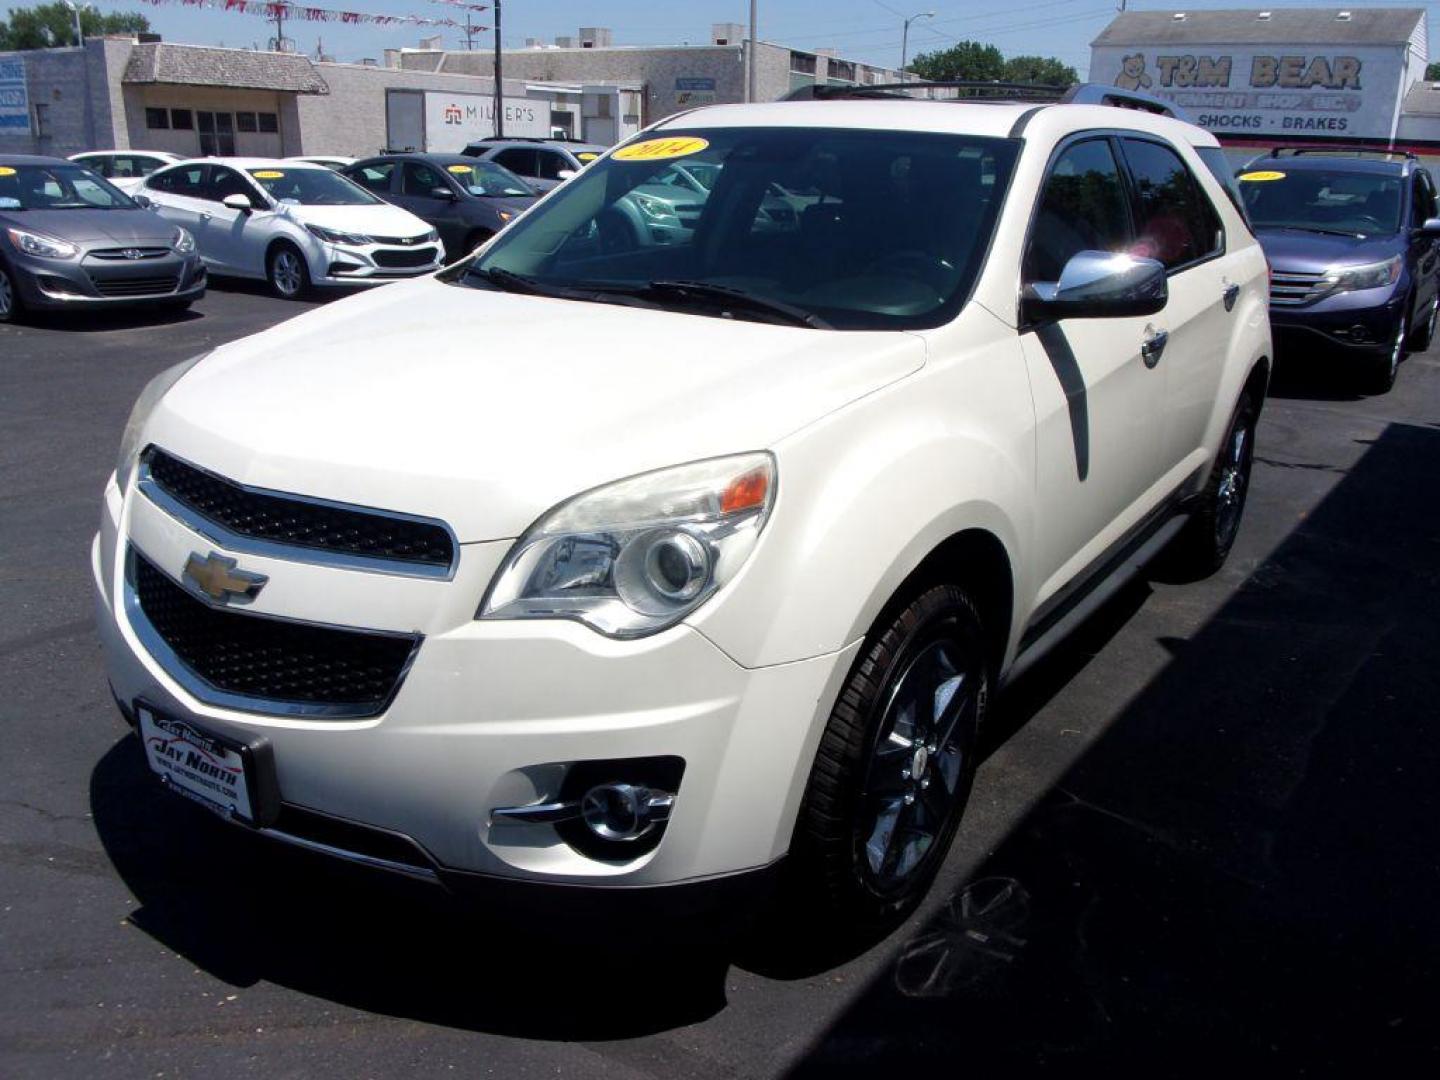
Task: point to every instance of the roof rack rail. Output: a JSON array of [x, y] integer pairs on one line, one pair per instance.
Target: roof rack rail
[[525, 138], [1338, 148], [973, 90]]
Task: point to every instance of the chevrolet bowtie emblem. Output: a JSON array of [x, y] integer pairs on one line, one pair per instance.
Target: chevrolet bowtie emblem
[[216, 577]]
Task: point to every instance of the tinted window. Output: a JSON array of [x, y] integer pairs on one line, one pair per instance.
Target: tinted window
[[1174, 222], [182, 119], [518, 159], [1082, 208], [157, 119], [374, 177], [867, 229], [552, 164], [1423, 201], [57, 187], [1219, 166], [182, 180], [227, 182], [102, 165], [419, 179]]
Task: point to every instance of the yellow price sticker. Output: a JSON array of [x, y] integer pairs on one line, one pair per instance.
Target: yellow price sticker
[[660, 149], [460, 170], [1264, 174], [586, 156], [268, 174], [5, 170]]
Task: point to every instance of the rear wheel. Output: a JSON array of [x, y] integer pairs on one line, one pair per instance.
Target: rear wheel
[[287, 273], [9, 296], [894, 768]]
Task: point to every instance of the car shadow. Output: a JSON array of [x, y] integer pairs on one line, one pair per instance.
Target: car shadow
[[105, 321], [1242, 868], [249, 910], [1317, 375]]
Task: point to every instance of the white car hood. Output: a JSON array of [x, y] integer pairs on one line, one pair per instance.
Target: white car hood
[[379, 220], [485, 409]]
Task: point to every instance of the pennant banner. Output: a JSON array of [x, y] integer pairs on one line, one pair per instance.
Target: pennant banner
[[463, 4], [271, 9]]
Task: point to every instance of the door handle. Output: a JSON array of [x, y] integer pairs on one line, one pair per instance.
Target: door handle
[[1231, 294], [1153, 345]]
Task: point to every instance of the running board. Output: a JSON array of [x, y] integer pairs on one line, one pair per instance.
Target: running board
[[1097, 597]]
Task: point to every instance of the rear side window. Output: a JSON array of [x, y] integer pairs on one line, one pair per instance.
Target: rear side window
[[518, 159], [1082, 208], [1219, 166], [375, 177], [182, 180], [553, 164], [1422, 206], [1174, 221]]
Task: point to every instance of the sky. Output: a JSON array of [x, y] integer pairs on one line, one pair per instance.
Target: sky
[[865, 30]]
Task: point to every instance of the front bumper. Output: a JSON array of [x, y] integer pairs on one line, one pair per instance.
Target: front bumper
[[373, 264], [1364, 319], [94, 282], [490, 714]]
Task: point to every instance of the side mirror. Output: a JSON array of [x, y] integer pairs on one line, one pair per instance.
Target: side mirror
[[238, 202], [1099, 285], [442, 193], [1428, 231], [564, 174], [142, 201]]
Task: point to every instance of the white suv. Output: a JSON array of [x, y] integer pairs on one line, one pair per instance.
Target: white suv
[[412, 579]]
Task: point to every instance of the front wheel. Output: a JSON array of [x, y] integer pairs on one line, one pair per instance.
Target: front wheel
[[894, 768], [1420, 339], [9, 296], [1208, 537], [1385, 365], [287, 273]]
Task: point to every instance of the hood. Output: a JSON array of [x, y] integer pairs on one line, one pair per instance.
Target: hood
[[485, 409], [1296, 251], [97, 228], [379, 220]]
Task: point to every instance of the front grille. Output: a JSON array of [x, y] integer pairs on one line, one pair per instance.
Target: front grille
[[125, 254], [1291, 289], [399, 241], [273, 662], [288, 519], [148, 286], [398, 259]]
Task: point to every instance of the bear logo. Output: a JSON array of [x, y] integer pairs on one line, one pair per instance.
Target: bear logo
[[1132, 73]]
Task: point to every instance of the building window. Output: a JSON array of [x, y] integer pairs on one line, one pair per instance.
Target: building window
[[182, 120], [42, 121], [245, 121], [157, 119], [269, 122], [802, 63], [840, 71]]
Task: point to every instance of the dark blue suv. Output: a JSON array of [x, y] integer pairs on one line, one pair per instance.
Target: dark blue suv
[[1354, 247]]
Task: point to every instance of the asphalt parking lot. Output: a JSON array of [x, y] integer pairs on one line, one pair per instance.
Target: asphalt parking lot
[[1206, 833]]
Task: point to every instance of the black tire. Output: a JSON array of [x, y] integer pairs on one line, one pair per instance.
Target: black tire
[[1204, 545], [1421, 337], [1383, 366], [842, 874], [287, 273], [11, 306]]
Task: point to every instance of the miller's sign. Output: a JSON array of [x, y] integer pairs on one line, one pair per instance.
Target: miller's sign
[[1265, 91]]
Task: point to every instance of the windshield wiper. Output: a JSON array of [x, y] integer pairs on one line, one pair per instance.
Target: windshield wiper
[[1318, 229], [519, 283], [729, 298]]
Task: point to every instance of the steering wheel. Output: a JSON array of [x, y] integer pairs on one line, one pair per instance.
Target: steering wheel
[[934, 270]]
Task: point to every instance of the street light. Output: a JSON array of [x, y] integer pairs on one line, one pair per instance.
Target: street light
[[75, 10], [905, 40]]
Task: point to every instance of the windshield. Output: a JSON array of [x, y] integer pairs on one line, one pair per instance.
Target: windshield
[[488, 180], [311, 187], [58, 187], [864, 230], [1322, 200]]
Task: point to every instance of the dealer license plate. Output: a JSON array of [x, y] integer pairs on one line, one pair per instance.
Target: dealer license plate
[[198, 765]]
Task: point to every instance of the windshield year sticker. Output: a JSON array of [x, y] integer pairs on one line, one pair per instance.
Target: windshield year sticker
[[269, 174], [660, 149], [1265, 174], [5, 170], [460, 170]]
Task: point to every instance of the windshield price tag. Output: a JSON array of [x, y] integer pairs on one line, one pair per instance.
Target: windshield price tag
[[660, 149], [5, 170], [1264, 174], [269, 174], [460, 170]]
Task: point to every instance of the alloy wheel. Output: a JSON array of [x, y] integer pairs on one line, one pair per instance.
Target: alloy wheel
[[1234, 476], [1430, 325], [286, 272], [7, 296], [1397, 350], [913, 782]]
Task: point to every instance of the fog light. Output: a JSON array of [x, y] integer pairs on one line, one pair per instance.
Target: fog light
[[1359, 332], [624, 812]]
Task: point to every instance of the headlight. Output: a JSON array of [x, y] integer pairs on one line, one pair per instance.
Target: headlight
[[431, 237], [652, 207], [1368, 276], [184, 243], [130, 441], [47, 247], [331, 236], [636, 556]]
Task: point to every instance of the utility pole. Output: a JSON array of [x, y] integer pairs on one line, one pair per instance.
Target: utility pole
[[750, 72], [79, 33], [499, 78], [279, 10], [905, 40]]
